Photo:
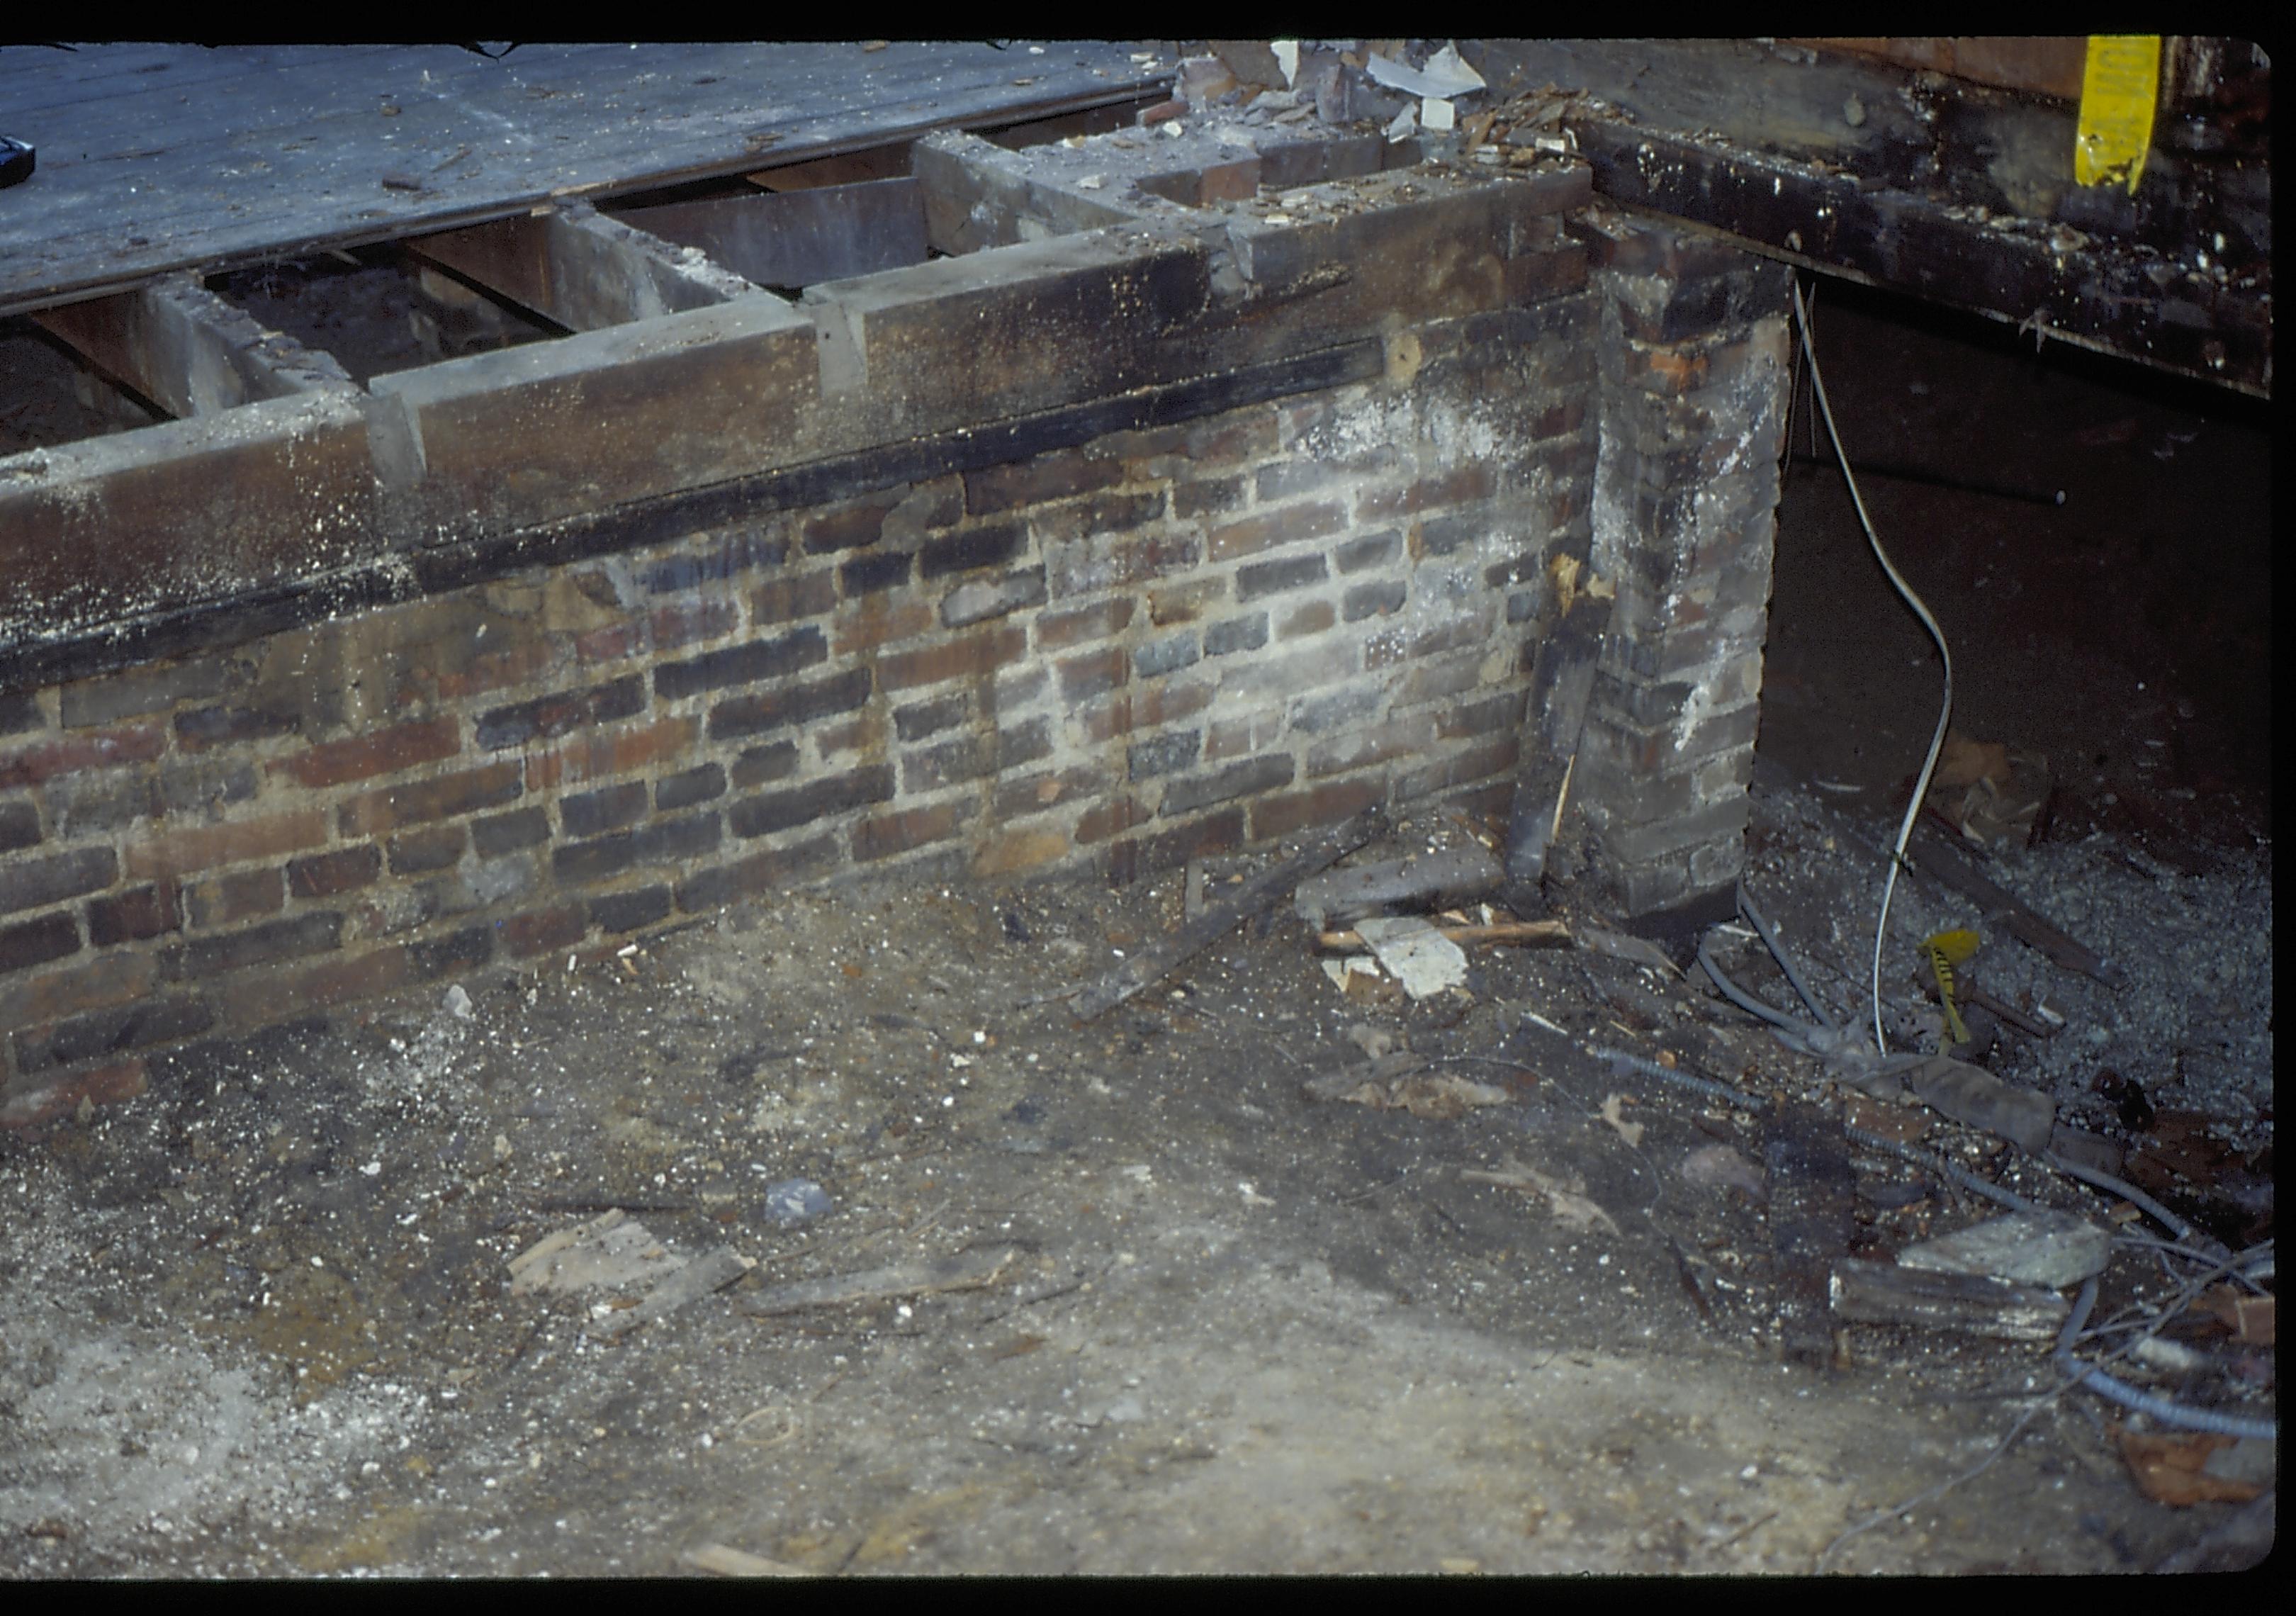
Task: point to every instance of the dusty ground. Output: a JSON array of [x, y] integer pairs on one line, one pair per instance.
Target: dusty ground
[[258, 1322]]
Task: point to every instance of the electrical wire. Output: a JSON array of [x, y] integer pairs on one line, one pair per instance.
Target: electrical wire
[[1906, 592]]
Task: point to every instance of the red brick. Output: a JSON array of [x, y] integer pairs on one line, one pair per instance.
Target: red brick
[[608, 752], [236, 896], [544, 931], [497, 670], [1057, 630], [46, 760], [1105, 819], [675, 625], [1311, 618], [970, 654], [887, 834], [1265, 531], [36, 942], [1093, 672], [1145, 709], [363, 756], [104, 1085], [445, 797], [1014, 852], [612, 642], [184, 853], [113, 980], [324, 875], [1233, 440], [864, 732], [785, 599], [1236, 737], [1327, 804], [877, 619]]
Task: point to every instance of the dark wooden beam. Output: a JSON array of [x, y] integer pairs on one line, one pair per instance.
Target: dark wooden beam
[[802, 236], [187, 350], [580, 269], [2055, 281], [1931, 185]]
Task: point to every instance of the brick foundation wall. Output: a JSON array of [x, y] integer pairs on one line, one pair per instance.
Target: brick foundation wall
[[1117, 655], [1095, 546]]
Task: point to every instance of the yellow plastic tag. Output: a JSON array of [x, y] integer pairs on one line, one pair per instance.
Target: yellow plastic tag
[[1945, 950], [2120, 86]]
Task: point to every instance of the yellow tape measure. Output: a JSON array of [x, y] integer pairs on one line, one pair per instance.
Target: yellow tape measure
[[1945, 950], [2119, 88]]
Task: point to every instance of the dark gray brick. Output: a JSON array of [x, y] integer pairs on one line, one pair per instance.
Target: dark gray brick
[[20, 825], [36, 942], [1257, 578], [764, 764], [420, 852], [771, 811], [788, 705], [17, 711], [33, 883], [507, 832], [590, 814], [1373, 600], [1237, 780], [1372, 550], [627, 911], [1237, 634], [1162, 656], [558, 714], [1165, 754], [742, 664], [101, 801], [703, 784], [204, 726], [873, 573], [920, 719], [190, 784], [275, 939], [985, 546]]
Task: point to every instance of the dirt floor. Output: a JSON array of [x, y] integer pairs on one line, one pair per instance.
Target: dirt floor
[[261, 1321]]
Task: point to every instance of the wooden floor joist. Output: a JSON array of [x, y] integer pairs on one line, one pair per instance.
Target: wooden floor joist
[[581, 269], [188, 352]]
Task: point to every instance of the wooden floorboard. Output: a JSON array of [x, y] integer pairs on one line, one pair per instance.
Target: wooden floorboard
[[160, 158]]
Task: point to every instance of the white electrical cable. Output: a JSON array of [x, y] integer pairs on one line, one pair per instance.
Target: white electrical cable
[[1905, 592]]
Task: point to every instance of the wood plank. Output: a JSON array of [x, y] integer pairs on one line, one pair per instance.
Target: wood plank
[[1256, 897], [1813, 1214], [1882, 1293], [799, 237], [190, 352], [1562, 677], [227, 157], [581, 269]]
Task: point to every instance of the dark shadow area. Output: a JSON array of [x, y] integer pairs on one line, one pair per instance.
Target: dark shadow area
[[2124, 634]]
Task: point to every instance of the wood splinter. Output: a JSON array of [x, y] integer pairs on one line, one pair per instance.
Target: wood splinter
[[1523, 931]]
